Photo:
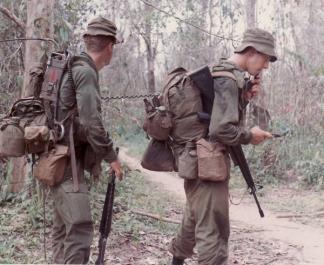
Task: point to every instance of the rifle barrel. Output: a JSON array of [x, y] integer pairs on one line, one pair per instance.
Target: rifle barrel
[[106, 218]]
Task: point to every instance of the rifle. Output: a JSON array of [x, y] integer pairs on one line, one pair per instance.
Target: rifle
[[204, 81], [238, 157], [106, 217]]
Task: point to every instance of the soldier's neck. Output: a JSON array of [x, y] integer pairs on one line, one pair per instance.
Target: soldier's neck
[[239, 60], [97, 59]]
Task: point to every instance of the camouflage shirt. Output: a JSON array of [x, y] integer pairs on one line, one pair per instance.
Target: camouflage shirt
[[86, 96], [227, 119]]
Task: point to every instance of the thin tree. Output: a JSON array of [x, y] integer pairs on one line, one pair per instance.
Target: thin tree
[[39, 25], [250, 12]]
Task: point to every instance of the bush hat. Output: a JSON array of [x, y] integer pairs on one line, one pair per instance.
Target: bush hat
[[102, 26], [260, 40]]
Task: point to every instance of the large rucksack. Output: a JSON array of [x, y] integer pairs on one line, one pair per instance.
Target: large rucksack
[[173, 119], [31, 126], [174, 114], [172, 122]]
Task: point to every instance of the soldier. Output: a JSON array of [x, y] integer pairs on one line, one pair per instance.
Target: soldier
[[72, 222], [205, 223]]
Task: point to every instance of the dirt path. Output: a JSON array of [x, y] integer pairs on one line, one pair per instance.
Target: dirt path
[[308, 242]]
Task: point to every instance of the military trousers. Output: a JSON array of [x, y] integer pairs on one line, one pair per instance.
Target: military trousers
[[72, 224], [205, 223]]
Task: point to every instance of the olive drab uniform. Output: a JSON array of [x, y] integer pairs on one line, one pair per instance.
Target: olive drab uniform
[[72, 223], [205, 222]]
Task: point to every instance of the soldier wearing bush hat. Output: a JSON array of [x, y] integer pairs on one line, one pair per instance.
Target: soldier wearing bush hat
[[205, 225], [260, 40], [101, 26], [72, 221]]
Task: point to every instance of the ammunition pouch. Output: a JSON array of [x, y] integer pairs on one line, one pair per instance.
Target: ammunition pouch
[[213, 161], [188, 162]]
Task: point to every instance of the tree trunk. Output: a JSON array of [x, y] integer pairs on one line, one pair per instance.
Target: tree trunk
[[150, 57], [39, 25], [250, 11]]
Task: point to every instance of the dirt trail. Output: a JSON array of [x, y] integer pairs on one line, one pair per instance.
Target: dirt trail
[[308, 240]]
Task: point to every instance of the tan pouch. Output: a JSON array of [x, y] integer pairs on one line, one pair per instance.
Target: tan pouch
[[213, 162], [36, 138], [12, 142], [158, 124], [188, 162], [51, 166]]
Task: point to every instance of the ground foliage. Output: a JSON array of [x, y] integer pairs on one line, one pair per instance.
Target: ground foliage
[[293, 86], [135, 239]]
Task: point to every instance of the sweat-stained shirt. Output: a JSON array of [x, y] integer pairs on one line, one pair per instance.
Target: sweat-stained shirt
[[89, 128], [226, 125]]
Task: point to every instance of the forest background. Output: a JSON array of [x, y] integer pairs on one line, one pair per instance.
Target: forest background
[[159, 36]]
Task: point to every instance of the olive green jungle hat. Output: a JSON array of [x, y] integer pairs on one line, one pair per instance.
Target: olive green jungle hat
[[260, 40], [102, 26]]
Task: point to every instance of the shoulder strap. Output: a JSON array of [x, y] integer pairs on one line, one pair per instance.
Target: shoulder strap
[[224, 74], [173, 79]]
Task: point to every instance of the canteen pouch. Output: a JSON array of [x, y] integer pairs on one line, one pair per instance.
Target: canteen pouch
[[158, 124], [213, 161], [158, 120], [51, 165], [12, 143], [188, 162]]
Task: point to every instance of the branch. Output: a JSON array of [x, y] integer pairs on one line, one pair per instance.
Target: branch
[[156, 217], [318, 214], [142, 34], [12, 17]]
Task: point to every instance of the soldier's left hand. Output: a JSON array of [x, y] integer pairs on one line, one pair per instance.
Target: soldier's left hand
[[255, 90], [259, 135]]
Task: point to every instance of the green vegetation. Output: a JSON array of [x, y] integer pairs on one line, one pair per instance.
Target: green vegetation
[[21, 219]]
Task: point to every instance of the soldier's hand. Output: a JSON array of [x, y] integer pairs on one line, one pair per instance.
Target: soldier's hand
[[259, 135], [116, 167], [255, 90]]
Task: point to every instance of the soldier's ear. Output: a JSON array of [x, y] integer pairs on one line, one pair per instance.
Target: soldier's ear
[[110, 46]]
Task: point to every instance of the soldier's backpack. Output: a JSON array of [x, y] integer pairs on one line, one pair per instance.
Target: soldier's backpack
[[172, 118], [175, 118], [31, 126], [174, 114]]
